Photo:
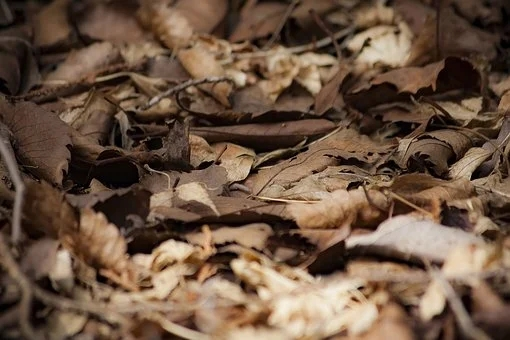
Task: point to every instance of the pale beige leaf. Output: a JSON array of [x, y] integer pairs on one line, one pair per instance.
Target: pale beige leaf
[[196, 191], [236, 159], [465, 166], [410, 237]]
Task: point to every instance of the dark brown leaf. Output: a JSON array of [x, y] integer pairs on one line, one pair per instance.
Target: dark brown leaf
[[42, 140]]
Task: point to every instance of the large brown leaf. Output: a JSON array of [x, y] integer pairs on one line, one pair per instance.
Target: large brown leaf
[[41, 139], [448, 74]]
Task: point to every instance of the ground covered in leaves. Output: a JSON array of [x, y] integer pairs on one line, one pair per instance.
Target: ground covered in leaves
[[255, 169]]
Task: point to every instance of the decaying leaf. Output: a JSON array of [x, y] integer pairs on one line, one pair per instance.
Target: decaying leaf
[[42, 140]]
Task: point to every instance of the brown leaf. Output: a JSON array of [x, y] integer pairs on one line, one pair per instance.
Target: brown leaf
[[200, 63], [428, 192], [325, 99], [42, 140], [235, 159], [110, 21], [392, 323], [203, 16], [275, 135], [490, 312], [46, 210], [448, 74], [97, 242], [258, 20], [52, 27], [168, 23], [346, 144], [434, 150], [85, 62], [96, 119], [457, 38], [342, 209], [18, 67]]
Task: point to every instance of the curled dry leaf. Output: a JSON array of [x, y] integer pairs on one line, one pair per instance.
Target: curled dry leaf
[[18, 67], [341, 208], [387, 45], [167, 23], [41, 139], [97, 242]]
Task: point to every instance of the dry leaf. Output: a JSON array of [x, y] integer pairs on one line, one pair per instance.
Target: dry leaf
[[41, 139], [200, 63], [97, 242], [341, 209], [410, 237]]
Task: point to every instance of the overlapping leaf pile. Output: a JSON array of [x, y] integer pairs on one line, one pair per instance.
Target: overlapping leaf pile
[[255, 169]]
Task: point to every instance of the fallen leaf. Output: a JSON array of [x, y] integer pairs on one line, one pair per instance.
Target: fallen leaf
[[341, 209], [19, 72], [113, 21], [258, 20], [235, 159], [52, 26], [97, 242], [41, 139], [275, 135], [448, 74], [409, 237], [201, 64], [85, 62], [325, 99]]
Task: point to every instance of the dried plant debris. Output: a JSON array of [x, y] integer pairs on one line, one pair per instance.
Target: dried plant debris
[[254, 169]]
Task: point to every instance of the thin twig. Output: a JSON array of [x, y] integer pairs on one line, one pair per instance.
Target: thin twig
[[25, 304], [7, 154], [301, 48], [281, 24], [466, 325], [94, 308], [323, 27], [176, 329], [182, 86]]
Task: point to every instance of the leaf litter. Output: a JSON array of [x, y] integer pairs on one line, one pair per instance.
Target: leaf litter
[[254, 169]]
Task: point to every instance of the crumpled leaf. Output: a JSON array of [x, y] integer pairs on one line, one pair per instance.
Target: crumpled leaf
[[387, 45], [97, 242]]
